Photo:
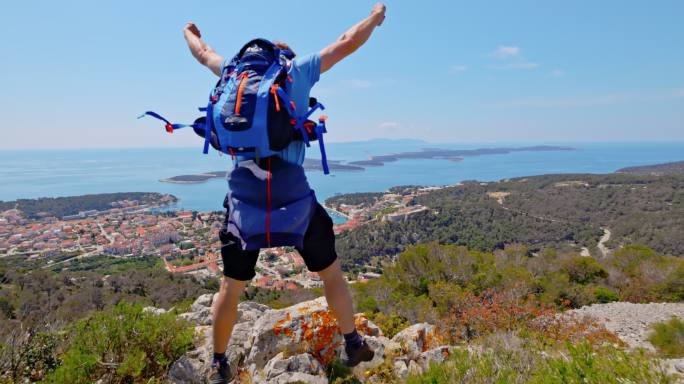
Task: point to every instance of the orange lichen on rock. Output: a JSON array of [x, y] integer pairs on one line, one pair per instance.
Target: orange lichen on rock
[[317, 329], [430, 339], [361, 323]]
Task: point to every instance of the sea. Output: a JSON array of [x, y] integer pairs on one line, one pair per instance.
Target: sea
[[51, 173]]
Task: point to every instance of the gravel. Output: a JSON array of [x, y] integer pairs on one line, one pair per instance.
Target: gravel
[[632, 322]]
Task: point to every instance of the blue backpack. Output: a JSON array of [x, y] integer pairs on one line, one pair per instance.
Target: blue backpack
[[249, 111]]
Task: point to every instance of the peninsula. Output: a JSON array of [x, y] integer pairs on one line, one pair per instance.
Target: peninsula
[[674, 168]]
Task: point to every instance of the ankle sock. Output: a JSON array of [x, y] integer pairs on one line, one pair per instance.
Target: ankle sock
[[220, 358], [353, 340]]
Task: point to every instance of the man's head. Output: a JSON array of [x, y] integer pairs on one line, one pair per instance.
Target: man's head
[[283, 45]]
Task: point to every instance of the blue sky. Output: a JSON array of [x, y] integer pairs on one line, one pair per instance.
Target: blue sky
[[77, 73]]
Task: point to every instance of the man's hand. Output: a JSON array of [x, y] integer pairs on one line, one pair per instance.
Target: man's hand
[[379, 12], [191, 28], [351, 40], [201, 50]]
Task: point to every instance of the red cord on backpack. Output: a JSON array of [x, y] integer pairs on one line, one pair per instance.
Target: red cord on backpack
[[268, 204]]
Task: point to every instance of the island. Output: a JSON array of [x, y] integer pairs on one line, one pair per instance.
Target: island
[[452, 154], [309, 165]]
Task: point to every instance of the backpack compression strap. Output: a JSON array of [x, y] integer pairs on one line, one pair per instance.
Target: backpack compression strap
[[201, 126], [169, 126], [303, 127]]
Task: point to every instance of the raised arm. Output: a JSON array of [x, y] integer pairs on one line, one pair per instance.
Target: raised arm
[[351, 40], [201, 50]]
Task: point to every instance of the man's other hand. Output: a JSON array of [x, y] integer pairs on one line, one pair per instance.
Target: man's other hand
[[379, 10], [191, 28]]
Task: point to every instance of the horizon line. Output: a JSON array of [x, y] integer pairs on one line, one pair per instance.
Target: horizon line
[[549, 142]]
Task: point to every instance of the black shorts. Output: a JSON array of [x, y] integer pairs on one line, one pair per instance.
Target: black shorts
[[318, 252]]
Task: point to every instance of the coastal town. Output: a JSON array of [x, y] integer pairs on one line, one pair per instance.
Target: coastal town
[[186, 241]]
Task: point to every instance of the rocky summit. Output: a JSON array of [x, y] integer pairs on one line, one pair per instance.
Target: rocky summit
[[295, 344]]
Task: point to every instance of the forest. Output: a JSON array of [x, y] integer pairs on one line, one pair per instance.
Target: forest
[[542, 211]]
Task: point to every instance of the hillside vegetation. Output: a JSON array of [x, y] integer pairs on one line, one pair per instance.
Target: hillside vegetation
[[558, 211], [474, 293]]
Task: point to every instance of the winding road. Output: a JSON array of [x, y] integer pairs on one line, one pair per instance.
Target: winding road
[[501, 196]]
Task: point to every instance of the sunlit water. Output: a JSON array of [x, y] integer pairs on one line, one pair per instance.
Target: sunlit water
[[32, 173]]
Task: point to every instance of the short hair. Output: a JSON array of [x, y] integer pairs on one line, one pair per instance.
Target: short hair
[[283, 45]]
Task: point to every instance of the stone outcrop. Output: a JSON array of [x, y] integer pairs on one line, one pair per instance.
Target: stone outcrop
[[295, 344], [418, 338]]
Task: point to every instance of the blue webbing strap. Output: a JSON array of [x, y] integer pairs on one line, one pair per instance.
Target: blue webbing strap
[[158, 116], [300, 120], [313, 109], [208, 125], [320, 130]]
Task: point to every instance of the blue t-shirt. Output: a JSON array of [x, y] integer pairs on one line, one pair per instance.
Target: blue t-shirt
[[305, 72]]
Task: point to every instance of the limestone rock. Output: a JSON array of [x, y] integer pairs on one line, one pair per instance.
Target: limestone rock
[[194, 365], [414, 368], [436, 355], [365, 326], [674, 367], [307, 327], [200, 317], [204, 301], [186, 371], [250, 311], [304, 363], [154, 310], [418, 338], [680, 366], [400, 368], [237, 345], [278, 345], [378, 346]]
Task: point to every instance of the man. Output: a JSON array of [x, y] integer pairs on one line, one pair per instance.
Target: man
[[318, 249]]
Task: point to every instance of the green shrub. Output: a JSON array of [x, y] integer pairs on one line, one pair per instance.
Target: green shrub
[[40, 353], [673, 289], [389, 324], [668, 338], [584, 270], [604, 366], [605, 295], [338, 373], [125, 343], [629, 258], [579, 364]]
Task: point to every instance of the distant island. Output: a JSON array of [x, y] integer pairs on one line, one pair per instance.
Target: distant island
[[376, 161], [452, 154], [309, 165], [674, 168]]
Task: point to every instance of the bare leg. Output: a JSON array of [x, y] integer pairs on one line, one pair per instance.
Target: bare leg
[[338, 296], [225, 311]]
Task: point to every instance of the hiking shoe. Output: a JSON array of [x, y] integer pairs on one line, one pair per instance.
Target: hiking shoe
[[358, 355], [219, 374]]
